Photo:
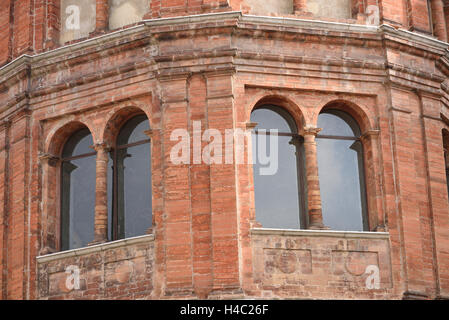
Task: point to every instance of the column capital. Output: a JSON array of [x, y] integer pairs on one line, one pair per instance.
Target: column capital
[[371, 134], [310, 131], [48, 158], [149, 133], [103, 146], [250, 125]]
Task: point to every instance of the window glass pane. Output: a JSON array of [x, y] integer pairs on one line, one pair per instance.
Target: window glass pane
[[133, 130], [273, 118], [277, 196], [134, 190], [338, 123], [340, 183], [110, 194], [78, 202], [78, 144]]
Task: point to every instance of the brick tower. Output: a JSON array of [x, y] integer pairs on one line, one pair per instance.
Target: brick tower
[[96, 95]]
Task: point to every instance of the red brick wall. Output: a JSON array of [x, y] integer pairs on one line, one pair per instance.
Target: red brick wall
[[306, 266], [115, 271], [5, 31], [216, 70]]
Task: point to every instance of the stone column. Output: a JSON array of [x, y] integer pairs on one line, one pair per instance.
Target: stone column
[[101, 194], [313, 182]]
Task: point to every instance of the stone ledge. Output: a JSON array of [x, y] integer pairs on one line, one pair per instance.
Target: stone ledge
[[321, 233], [93, 249], [146, 25]]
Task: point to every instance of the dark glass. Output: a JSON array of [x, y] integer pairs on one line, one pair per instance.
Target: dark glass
[[338, 123], [134, 190], [271, 117], [110, 195], [133, 131], [78, 191], [132, 200], [279, 199], [79, 143], [446, 155], [340, 166]]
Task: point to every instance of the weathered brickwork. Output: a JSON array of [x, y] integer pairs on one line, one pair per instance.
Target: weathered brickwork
[[323, 265], [215, 62], [118, 270]]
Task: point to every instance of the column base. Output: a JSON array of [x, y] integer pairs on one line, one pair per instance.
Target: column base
[[95, 242], [318, 226]]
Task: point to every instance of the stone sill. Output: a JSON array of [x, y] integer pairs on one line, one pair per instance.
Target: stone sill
[[321, 233], [94, 249]]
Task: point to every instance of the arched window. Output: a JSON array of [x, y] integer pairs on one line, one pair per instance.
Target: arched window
[[341, 172], [77, 191], [131, 211], [279, 191]]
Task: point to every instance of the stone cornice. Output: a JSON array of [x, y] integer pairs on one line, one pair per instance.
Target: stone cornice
[[413, 39], [148, 29]]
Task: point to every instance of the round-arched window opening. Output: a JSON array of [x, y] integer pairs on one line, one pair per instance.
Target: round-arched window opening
[[278, 169], [130, 194], [77, 191], [341, 172]]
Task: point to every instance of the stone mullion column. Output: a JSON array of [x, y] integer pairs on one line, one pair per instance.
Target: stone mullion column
[[101, 194], [315, 214]]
